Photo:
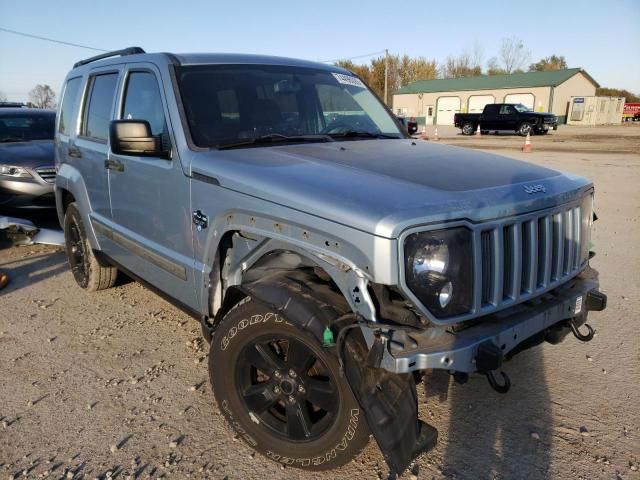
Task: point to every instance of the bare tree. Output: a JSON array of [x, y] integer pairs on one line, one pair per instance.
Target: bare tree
[[494, 68], [43, 96], [513, 54], [460, 66]]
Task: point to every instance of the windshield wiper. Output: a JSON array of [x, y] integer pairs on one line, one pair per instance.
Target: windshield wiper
[[361, 134], [11, 139], [275, 138]]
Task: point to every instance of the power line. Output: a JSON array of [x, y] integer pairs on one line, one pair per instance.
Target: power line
[[38, 37], [354, 58]]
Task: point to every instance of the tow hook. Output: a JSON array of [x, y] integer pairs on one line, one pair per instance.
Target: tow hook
[[580, 336], [506, 385]]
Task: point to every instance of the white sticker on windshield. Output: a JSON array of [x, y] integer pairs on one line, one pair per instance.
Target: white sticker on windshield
[[348, 80]]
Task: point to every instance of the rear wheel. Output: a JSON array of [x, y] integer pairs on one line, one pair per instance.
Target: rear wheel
[[468, 128], [280, 390], [89, 272]]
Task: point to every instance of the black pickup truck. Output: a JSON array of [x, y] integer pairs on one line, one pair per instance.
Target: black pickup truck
[[506, 116]]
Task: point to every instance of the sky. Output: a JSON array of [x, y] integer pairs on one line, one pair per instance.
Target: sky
[[601, 37]]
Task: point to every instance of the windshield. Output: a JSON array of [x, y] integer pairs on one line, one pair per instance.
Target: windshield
[[237, 105], [521, 108], [26, 127]]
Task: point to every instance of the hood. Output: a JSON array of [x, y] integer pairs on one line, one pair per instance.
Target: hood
[[385, 186], [37, 153]]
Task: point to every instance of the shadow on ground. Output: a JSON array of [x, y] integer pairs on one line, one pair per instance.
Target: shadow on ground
[[494, 436]]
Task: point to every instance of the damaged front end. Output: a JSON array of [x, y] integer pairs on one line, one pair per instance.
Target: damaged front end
[[382, 376]]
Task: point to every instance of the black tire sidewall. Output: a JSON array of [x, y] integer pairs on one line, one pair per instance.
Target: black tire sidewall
[[72, 217], [339, 445]]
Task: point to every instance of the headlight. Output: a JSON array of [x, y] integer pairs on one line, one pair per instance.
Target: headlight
[[586, 222], [439, 270], [10, 171]]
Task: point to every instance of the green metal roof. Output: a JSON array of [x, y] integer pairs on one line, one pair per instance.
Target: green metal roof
[[490, 82]]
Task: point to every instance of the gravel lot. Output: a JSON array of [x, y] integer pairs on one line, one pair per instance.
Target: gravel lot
[[117, 381]]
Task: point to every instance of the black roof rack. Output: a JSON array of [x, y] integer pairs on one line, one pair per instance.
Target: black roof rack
[[115, 53]]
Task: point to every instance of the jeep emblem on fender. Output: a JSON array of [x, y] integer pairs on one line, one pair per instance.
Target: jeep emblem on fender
[[534, 189]]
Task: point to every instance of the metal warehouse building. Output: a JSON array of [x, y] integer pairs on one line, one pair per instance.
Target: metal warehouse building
[[436, 101]]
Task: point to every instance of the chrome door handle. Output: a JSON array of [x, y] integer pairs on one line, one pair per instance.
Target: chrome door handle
[[74, 152], [116, 165]]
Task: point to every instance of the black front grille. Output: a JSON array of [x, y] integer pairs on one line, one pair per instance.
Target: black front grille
[[524, 257], [48, 174]]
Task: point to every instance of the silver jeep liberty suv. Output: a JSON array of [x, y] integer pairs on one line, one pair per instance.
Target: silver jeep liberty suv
[[330, 258]]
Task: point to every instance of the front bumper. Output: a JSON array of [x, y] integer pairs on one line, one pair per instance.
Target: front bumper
[[26, 193], [507, 331]]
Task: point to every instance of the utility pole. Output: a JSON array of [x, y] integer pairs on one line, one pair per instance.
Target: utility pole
[[386, 74]]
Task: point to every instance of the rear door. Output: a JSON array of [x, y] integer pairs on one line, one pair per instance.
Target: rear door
[[490, 117], [90, 150], [150, 195]]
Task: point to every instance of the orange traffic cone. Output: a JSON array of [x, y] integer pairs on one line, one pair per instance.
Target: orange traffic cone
[[527, 144], [478, 133], [435, 135], [423, 134]]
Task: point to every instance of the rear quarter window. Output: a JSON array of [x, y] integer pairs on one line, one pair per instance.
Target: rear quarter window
[[98, 106], [68, 106]]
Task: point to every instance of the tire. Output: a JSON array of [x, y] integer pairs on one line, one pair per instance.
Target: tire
[[89, 272], [294, 409], [524, 128], [468, 128]]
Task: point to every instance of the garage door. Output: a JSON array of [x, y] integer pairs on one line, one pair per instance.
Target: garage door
[[447, 108], [527, 99], [477, 102]]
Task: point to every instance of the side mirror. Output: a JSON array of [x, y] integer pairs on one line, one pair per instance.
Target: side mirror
[[133, 137]]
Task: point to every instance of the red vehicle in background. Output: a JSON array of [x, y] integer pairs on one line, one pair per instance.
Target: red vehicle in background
[[631, 112]]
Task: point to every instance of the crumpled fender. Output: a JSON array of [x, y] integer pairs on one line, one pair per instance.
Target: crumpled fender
[[390, 405], [388, 400]]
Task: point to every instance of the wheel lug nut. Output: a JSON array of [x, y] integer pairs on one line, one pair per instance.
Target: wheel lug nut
[[301, 389], [292, 399], [292, 374], [277, 374], [276, 390]]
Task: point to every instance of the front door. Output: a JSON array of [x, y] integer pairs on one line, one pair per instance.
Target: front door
[[150, 196]]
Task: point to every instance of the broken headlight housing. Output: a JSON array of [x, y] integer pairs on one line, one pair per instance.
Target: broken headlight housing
[[439, 270]]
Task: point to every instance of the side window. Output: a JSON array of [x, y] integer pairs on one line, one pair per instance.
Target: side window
[[491, 109], [98, 106], [142, 101], [68, 103], [505, 110]]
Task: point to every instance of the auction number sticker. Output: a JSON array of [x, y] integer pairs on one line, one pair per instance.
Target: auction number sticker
[[578, 308], [348, 80]]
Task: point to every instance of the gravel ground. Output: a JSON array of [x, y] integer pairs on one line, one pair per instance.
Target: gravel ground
[[117, 381]]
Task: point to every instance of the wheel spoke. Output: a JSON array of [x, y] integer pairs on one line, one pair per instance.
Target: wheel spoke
[[298, 422], [262, 357], [259, 397], [299, 357], [322, 394]]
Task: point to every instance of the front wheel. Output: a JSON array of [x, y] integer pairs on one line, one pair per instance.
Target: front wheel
[[524, 129], [281, 391]]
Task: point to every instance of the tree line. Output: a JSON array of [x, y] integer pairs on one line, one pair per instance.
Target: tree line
[[512, 57]]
